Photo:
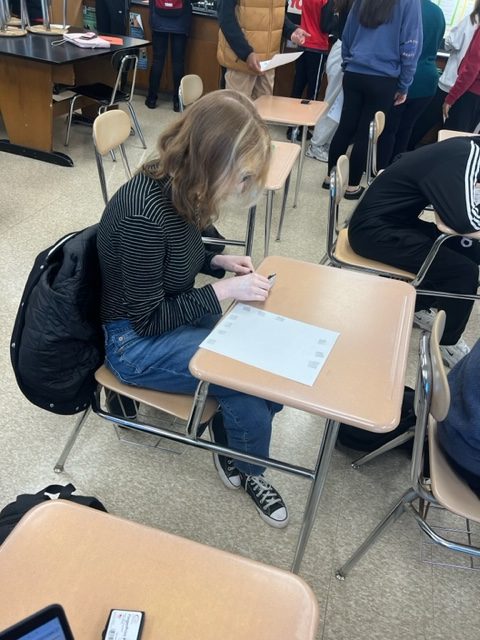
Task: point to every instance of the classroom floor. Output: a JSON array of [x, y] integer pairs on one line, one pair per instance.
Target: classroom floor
[[391, 594]]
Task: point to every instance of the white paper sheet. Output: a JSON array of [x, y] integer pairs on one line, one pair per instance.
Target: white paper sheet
[[288, 348], [279, 59]]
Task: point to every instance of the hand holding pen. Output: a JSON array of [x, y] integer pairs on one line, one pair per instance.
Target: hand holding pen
[[252, 287]]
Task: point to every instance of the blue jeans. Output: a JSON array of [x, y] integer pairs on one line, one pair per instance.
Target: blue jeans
[[161, 363]]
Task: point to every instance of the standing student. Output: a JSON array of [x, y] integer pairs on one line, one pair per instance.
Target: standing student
[[328, 123], [170, 21], [385, 226], [381, 43], [251, 31], [309, 67], [150, 250], [456, 43], [461, 108], [401, 119], [112, 16]]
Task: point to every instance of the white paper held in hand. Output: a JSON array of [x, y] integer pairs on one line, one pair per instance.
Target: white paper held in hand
[[279, 59]]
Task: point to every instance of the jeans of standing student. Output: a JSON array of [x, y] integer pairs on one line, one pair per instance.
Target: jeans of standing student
[[454, 269], [399, 123], [326, 127], [112, 16], [464, 115], [363, 96], [308, 73], [161, 363], [178, 45]]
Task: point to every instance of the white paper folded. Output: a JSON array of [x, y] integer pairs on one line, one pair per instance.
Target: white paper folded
[[79, 40]]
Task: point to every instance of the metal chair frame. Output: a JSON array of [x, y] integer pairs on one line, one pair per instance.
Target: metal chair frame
[[375, 130], [128, 63], [430, 408]]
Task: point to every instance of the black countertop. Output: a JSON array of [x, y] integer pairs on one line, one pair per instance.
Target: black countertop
[[39, 48]]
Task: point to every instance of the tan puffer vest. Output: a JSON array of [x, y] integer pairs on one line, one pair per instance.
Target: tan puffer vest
[[262, 24]]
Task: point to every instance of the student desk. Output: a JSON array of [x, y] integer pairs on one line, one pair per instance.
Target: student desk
[[90, 562], [291, 111], [361, 382], [29, 67]]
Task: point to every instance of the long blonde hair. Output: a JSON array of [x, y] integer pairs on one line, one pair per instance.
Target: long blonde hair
[[218, 146]]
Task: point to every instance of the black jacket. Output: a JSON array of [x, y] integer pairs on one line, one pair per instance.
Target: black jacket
[[57, 341]]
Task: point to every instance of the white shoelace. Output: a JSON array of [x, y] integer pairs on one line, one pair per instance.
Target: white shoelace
[[263, 491]]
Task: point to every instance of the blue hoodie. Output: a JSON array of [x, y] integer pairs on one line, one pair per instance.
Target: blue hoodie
[[459, 433], [391, 50]]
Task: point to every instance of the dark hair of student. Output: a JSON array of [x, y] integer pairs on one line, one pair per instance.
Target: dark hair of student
[[475, 15], [344, 5], [373, 13]]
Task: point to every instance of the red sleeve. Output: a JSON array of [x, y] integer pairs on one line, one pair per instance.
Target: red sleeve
[[468, 72]]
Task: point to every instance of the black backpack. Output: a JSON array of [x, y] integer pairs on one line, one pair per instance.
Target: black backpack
[[13, 512], [57, 341]]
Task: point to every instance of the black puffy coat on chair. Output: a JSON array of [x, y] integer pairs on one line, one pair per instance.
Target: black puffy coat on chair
[[57, 341]]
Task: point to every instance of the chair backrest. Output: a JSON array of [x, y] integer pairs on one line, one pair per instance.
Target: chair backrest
[[445, 134], [110, 130], [338, 184], [432, 393], [190, 90], [376, 128], [126, 64]]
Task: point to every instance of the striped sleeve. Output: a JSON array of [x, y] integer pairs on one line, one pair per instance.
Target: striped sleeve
[[472, 175]]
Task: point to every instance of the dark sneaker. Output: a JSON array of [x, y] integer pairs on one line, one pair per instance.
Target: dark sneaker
[[151, 103], [229, 474], [268, 501]]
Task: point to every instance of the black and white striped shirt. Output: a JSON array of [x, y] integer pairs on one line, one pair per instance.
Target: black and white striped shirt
[[149, 258]]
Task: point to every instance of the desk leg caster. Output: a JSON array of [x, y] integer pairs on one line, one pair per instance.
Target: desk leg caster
[[53, 157]]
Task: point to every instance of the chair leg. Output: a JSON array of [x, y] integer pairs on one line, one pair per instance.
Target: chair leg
[[58, 468], [136, 124], [268, 222], [396, 442], [393, 515], [69, 122], [252, 212], [101, 175], [284, 205]]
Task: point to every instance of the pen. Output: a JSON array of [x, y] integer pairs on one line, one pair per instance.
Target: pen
[[272, 277]]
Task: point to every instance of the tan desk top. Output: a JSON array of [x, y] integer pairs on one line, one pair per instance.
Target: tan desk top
[[362, 380], [290, 110], [91, 562], [284, 155]]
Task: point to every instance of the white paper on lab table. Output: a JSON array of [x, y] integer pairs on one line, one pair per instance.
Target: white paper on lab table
[[279, 59], [288, 348]]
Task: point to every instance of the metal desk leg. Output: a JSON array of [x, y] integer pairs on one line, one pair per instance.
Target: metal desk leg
[[268, 222], [321, 469], [196, 412], [300, 164], [252, 212], [284, 205]]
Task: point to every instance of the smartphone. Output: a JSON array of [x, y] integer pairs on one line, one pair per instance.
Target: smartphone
[[305, 101], [123, 624]]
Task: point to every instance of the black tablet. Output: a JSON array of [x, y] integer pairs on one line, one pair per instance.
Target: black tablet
[[48, 624]]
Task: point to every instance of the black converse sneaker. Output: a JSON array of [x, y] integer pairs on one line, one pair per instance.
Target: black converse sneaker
[[229, 474], [268, 501]]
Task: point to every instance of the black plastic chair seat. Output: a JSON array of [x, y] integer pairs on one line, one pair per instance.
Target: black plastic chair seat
[[101, 92]]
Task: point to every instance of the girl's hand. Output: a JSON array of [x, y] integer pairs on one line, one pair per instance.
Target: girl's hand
[[445, 109], [251, 287], [240, 265]]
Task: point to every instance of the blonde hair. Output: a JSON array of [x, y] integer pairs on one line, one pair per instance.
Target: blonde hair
[[218, 145]]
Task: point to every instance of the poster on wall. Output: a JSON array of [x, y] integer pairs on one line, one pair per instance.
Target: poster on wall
[[136, 31], [455, 10]]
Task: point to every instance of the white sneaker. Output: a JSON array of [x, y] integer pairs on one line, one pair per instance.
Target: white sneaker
[[453, 353], [424, 318], [318, 153]]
